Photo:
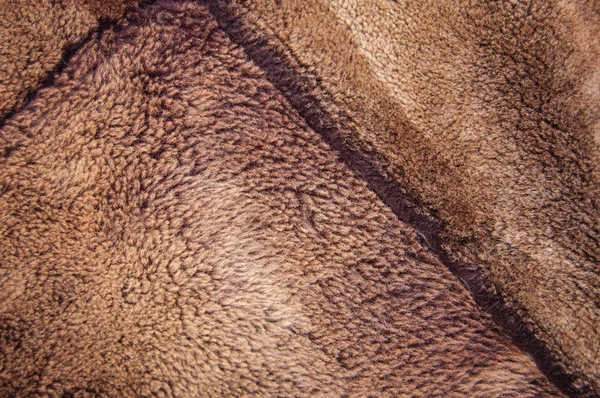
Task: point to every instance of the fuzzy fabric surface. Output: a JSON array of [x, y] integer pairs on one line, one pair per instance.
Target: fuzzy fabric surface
[[487, 115], [170, 226], [281, 198], [36, 37]]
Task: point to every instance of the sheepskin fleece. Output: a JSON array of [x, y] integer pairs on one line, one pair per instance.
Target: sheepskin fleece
[[36, 38], [488, 114], [170, 226]]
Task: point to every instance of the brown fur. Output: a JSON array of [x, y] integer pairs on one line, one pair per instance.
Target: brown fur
[[170, 226], [33, 36], [486, 112], [111, 10], [36, 36]]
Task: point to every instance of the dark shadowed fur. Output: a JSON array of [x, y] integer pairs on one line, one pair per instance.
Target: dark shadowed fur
[[487, 113], [170, 226], [109, 10]]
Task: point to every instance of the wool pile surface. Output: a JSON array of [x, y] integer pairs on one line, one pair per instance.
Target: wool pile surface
[[37, 37], [239, 198], [487, 116]]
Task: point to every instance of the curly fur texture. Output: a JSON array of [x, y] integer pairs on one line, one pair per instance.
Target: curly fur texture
[[488, 113], [170, 226], [36, 36]]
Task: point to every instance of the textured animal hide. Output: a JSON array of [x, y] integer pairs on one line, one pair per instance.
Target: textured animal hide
[[488, 113], [170, 226], [36, 36]]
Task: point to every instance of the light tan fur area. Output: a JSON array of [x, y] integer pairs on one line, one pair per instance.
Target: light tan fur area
[[170, 226], [486, 112]]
